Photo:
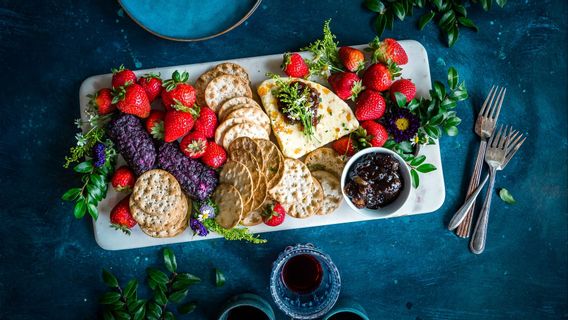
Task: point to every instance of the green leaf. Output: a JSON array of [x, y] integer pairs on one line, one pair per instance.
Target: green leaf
[[170, 260], [107, 315], [447, 20], [389, 18], [157, 275], [406, 146], [134, 305], [80, 209], [400, 99], [92, 209], [109, 297], [418, 160], [380, 23], [436, 120], [219, 278], [426, 167], [501, 3], [121, 315], [453, 35], [118, 305], [432, 131], [140, 311], [71, 194], [413, 104], [84, 167], [160, 297], [452, 121], [451, 131], [374, 5], [398, 10], [169, 316], [467, 23], [460, 9], [438, 4], [459, 95], [453, 78], [187, 307], [154, 311], [440, 89], [425, 19], [506, 196], [415, 178], [178, 296], [486, 4], [448, 103], [109, 279], [130, 288]]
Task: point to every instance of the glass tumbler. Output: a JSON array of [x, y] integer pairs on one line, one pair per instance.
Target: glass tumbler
[[318, 300]]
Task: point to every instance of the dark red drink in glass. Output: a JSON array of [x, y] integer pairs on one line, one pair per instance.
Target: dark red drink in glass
[[302, 273]]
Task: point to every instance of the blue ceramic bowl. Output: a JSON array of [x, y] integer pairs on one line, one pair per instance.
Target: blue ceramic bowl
[[246, 299], [349, 306], [189, 20]]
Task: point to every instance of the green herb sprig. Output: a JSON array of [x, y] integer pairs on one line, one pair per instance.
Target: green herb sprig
[[325, 54], [295, 103], [124, 303], [232, 234], [449, 14]]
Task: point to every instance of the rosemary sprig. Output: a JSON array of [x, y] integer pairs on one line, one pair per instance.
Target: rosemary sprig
[[296, 104]]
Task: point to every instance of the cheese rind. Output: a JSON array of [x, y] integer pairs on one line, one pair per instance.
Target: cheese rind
[[336, 120]]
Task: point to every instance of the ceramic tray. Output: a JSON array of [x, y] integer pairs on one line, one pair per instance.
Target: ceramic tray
[[427, 198]]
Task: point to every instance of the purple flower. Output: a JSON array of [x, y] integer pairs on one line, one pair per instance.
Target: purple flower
[[198, 227], [402, 125], [99, 156]]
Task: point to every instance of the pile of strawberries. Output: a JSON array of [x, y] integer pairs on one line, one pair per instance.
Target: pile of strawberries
[[370, 91], [181, 118]]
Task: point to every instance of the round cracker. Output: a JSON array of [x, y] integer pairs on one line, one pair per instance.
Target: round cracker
[[157, 192], [227, 124], [247, 129], [174, 229], [331, 186], [253, 218], [223, 88], [202, 82], [248, 144], [295, 185], [260, 194], [228, 108], [310, 204], [233, 69], [249, 161], [325, 159], [155, 222], [253, 114], [230, 205], [237, 100], [273, 161], [237, 174]]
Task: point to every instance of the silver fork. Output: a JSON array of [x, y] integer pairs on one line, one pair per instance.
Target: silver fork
[[501, 148], [515, 143], [484, 127]]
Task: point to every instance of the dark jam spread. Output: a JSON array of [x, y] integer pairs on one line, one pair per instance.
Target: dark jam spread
[[374, 181], [306, 97]]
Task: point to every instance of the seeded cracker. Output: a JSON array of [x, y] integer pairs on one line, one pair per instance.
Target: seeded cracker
[[273, 162], [228, 108], [157, 192], [253, 114], [295, 184], [235, 101], [249, 129], [237, 175], [224, 88], [331, 191], [233, 69], [310, 204], [230, 204], [248, 144], [202, 83], [325, 159]]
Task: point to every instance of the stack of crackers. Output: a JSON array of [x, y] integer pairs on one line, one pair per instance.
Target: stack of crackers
[[158, 204], [226, 90]]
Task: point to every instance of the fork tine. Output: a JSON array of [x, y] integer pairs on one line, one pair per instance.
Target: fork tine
[[515, 145], [516, 148], [498, 102], [504, 143], [487, 100], [494, 141]]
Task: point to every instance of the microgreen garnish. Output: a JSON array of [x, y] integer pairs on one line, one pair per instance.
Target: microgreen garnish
[[232, 234], [295, 103], [325, 54]]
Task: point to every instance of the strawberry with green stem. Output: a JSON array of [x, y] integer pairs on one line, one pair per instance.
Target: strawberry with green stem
[[179, 121], [386, 51], [152, 84], [122, 77], [294, 66], [121, 217], [274, 214], [178, 91], [132, 99], [155, 124], [379, 76], [101, 101]]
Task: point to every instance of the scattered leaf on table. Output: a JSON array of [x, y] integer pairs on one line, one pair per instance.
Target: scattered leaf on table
[[219, 278], [506, 196]]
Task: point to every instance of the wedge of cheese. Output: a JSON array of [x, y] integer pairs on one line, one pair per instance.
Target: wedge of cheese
[[336, 120]]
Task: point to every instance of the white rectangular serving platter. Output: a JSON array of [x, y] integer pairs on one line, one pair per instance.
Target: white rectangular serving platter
[[428, 197]]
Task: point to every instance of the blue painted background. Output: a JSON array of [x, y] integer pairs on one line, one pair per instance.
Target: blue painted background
[[405, 268]]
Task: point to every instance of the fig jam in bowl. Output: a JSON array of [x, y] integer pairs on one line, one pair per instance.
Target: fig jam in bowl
[[376, 181]]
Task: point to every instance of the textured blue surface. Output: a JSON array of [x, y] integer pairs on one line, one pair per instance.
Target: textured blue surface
[[405, 268], [187, 19]]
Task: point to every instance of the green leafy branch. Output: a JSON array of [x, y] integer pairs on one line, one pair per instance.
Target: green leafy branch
[[234, 233], [449, 14], [119, 303], [325, 54]]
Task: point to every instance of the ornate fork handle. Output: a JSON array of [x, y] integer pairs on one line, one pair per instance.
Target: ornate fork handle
[[477, 243]]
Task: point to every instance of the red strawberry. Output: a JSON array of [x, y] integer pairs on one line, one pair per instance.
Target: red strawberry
[[388, 50], [122, 77], [376, 134], [353, 59], [155, 124], [379, 76], [102, 101], [123, 179], [206, 123], [152, 84], [346, 85], [178, 122], [177, 91], [193, 145], [215, 156], [294, 65], [273, 214], [120, 216], [132, 99], [344, 146], [370, 106], [404, 86]]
